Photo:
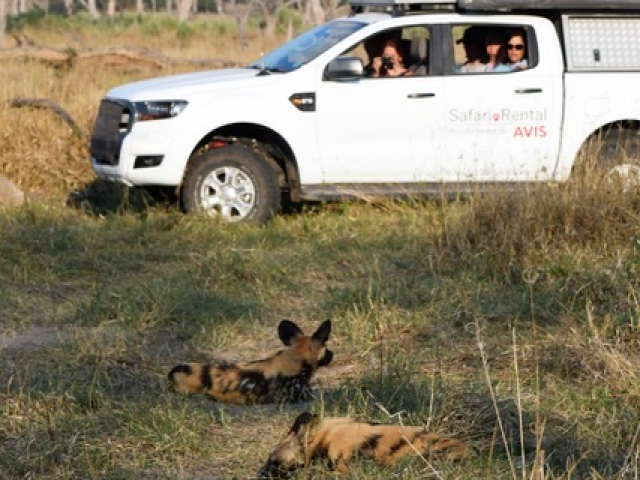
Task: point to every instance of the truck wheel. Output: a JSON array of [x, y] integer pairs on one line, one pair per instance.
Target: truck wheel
[[233, 183], [612, 160]]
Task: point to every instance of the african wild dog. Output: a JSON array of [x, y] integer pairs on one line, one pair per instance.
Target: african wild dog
[[283, 377], [338, 440]]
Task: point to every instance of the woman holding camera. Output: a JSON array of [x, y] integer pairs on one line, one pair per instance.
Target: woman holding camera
[[390, 63]]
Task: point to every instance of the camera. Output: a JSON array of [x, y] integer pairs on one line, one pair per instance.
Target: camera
[[387, 62]]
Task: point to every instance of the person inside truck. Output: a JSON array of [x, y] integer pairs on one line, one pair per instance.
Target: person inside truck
[[516, 50], [372, 46], [390, 63], [495, 46], [473, 42]]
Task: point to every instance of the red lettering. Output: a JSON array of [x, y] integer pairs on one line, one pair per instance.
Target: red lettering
[[531, 132]]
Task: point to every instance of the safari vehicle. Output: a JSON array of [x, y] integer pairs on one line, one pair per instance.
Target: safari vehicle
[[305, 122]]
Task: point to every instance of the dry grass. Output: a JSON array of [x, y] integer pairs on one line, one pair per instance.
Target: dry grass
[[511, 321], [41, 154]]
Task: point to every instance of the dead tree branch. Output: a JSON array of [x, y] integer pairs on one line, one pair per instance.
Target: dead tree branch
[[50, 105], [116, 54]]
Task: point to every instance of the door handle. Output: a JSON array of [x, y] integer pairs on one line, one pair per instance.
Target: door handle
[[529, 90], [421, 95]]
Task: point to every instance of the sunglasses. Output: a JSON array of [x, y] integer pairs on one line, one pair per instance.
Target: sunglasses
[[511, 46]]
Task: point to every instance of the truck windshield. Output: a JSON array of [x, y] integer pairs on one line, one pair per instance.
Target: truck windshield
[[306, 47]]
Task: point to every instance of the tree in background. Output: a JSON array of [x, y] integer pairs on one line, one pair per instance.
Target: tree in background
[[3, 20], [314, 12], [184, 9], [92, 8]]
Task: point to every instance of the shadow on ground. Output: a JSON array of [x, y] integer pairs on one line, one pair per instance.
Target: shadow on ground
[[101, 197]]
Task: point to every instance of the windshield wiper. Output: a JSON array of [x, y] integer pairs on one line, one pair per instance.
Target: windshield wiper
[[267, 70]]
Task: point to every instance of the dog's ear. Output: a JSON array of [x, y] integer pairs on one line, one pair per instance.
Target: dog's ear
[[289, 332], [305, 419], [326, 358], [321, 335]]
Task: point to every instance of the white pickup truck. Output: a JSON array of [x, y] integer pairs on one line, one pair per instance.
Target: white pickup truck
[[307, 122]]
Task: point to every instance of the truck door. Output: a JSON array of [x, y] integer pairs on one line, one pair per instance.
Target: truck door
[[502, 124], [377, 130]]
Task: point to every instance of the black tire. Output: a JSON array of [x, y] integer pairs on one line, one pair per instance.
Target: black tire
[[233, 183]]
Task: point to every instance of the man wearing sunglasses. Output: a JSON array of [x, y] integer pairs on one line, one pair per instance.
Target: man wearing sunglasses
[[516, 50]]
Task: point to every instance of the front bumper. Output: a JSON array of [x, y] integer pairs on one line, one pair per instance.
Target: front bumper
[[146, 153]]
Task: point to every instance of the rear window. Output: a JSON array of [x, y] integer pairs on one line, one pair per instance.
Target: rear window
[[491, 48]]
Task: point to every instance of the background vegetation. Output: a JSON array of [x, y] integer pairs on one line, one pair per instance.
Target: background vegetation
[[511, 321]]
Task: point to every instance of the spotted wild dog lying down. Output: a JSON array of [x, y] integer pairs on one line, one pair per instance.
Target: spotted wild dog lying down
[[339, 440], [282, 377]]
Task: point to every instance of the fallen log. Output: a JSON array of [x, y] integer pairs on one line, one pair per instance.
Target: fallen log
[[50, 105], [155, 59]]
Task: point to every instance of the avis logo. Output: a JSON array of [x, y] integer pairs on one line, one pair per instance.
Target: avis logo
[[535, 131]]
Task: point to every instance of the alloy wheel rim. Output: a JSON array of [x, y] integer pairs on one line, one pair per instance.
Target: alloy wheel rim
[[228, 192]]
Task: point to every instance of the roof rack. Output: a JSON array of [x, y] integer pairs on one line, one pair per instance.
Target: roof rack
[[558, 5], [400, 7]]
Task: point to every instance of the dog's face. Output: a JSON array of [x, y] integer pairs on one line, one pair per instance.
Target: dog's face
[[290, 454], [311, 349]]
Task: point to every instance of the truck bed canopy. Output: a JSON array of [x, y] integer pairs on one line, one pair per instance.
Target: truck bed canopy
[[502, 5], [496, 5]]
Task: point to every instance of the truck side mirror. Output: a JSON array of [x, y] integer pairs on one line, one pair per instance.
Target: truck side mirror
[[344, 68]]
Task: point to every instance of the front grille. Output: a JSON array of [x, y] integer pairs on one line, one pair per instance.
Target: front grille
[[112, 125]]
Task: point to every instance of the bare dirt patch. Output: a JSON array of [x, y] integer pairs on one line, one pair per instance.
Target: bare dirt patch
[[30, 338]]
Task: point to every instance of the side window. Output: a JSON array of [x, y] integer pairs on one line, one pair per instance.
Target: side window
[[491, 48], [399, 52]]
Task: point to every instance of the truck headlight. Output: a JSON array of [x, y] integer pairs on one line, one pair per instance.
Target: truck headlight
[[157, 110]]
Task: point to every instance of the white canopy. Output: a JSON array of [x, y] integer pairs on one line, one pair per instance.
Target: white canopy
[[506, 5], [496, 5]]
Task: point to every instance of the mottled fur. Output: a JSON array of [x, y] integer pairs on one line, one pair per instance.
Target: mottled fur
[[339, 440], [283, 377]]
